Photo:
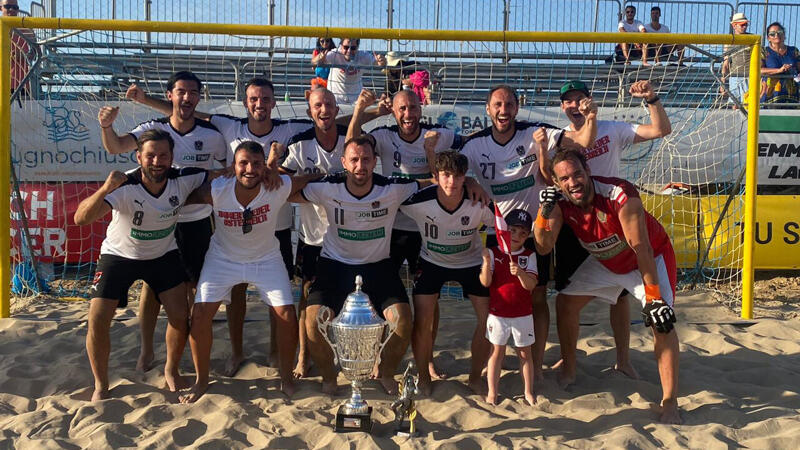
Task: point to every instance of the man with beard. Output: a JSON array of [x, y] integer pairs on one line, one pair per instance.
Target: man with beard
[[628, 249], [360, 207], [197, 144], [244, 250], [140, 244], [505, 158], [344, 79]]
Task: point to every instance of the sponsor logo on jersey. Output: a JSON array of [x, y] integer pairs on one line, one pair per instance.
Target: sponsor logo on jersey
[[198, 158], [522, 162], [606, 248], [174, 200], [522, 261], [413, 176], [139, 202], [464, 220], [520, 150], [361, 235], [168, 215], [372, 214], [461, 233], [151, 235], [447, 249], [198, 145], [601, 216], [513, 186], [419, 160]]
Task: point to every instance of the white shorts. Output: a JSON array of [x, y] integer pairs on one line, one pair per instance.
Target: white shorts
[[269, 276], [499, 329], [592, 278]]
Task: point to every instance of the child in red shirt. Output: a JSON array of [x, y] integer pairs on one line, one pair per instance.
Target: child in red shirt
[[510, 279]]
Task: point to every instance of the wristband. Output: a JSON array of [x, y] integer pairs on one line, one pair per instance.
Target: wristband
[[541, 223], [651, 292], [653, 101], [105, 127]]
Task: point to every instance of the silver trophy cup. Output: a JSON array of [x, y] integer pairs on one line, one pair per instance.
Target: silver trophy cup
[[357, 336]]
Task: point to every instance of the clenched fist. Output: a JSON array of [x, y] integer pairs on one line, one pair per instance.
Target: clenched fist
[[107, 115]]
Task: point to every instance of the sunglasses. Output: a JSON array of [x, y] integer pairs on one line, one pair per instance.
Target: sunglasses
[[775, 33], [11, 7], [350, 47], [247, 216]]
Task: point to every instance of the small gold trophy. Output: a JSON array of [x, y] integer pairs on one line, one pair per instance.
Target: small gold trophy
[[404, 406]]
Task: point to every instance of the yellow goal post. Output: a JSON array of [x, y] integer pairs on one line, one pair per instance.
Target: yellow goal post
[[7, 24]]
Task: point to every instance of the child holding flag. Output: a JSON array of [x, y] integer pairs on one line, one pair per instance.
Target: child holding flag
[[509, 271]]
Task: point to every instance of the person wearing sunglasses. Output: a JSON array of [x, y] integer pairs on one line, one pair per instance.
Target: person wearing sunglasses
[[736, 65], [629, 25], [781, 66], [244, 250], [348, 63]]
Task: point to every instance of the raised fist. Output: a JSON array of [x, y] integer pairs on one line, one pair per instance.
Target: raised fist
[[115, 179], [135, 93], [365, 98], [540, 137], [107, 115], [431, 139], [548, 197], [642, 89], [587, 107]]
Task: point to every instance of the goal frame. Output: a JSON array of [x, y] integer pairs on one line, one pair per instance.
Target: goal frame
[[7, 24]]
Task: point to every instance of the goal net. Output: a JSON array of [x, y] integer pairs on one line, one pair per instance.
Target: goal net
[[691, 180]]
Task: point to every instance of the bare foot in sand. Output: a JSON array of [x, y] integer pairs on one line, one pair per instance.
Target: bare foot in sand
[[565, 379], [302, 367], [194, 394], [145, 362], [329, 387], [288, 387], [491, 399], [436, 373], [627, 369], [175, 382], [478, 387], [100, 394], [531, 399], [232, 365], [669, 412], [389, 385]]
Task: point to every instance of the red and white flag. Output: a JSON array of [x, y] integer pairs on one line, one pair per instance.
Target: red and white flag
[[501, 230]]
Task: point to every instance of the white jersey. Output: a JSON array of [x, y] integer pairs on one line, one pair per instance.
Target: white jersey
[[199, 147], [345, 81], [359, 228], [449, 238], [649, 28], [400, 158], [307, 156], [510, 172], [235, 131], [229, 240], [143, 224], [635, 27], [604, 156]]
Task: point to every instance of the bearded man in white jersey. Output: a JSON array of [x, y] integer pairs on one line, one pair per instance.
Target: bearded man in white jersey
[[244, 250], [505, 159], [197, 144], [139, 244], [603, 159]]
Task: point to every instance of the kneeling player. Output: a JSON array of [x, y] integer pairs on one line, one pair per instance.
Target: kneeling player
[[451, 251], [628, 249], [244, 250]]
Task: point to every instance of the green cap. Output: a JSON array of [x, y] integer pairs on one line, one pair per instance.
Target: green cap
[[574, 85]]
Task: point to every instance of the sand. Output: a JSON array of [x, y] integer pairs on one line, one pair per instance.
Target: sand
[[738, 385]]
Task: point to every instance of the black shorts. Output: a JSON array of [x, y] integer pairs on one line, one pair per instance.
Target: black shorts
[[542, 261], [114, 275], [306, 261], [193, 239], [430, 278], [335, 280], [285, 240], [405, 246]]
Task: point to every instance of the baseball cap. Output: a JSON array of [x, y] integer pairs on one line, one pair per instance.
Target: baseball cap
[[574, 85], [739, 17], [520, 218]]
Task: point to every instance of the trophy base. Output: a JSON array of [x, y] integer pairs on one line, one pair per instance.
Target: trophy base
[[405, 431], [353, 422]]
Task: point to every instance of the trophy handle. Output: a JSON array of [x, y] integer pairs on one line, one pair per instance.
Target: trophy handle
[[324, 319], [388, 331]]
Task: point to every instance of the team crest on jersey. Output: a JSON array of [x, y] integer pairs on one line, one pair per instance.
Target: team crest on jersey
[[465, 220], [174, 200], [198, 145], [376, 204], [520, 150], [523, 261], [601, 216]]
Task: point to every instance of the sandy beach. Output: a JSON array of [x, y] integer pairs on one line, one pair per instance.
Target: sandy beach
[[738, 387]]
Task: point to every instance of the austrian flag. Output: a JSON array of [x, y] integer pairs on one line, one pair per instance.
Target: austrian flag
[[501, 229]]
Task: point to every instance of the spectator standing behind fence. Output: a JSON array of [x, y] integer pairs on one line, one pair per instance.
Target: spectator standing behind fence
[[630, 25], [658, 50], [420, 82], [344, 80], [781, 64], [324, 45], [19, 45], [736, 66]]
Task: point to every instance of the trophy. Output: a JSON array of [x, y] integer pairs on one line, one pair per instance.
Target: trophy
[[357, 336], [404, 406]]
